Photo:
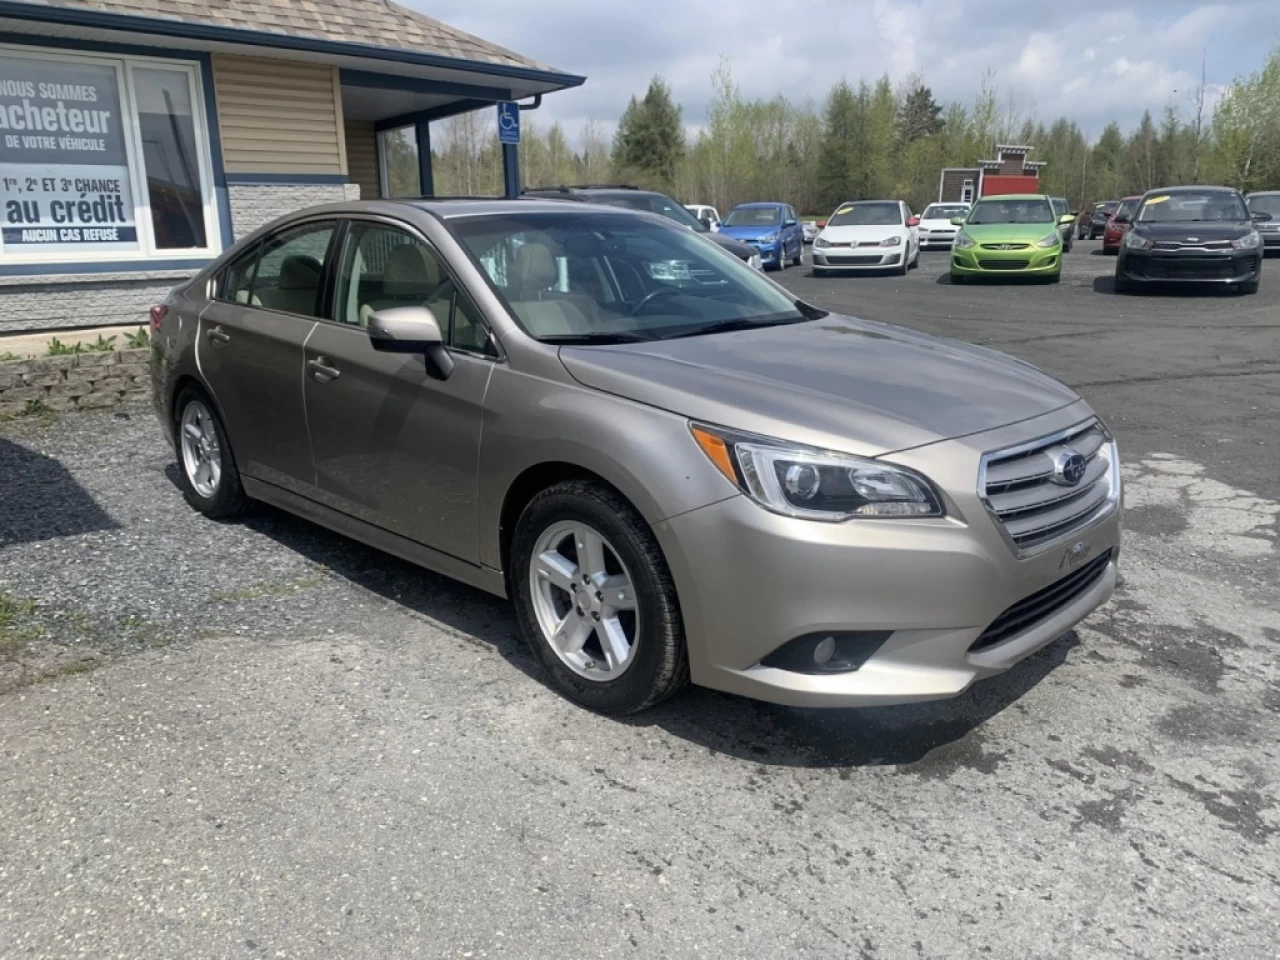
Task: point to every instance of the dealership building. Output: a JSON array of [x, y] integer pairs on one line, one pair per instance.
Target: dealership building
[[1009, 172], [140, 138]]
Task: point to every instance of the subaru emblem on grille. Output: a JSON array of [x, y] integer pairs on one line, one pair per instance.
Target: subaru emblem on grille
[[1193, 239], [1068, 468]]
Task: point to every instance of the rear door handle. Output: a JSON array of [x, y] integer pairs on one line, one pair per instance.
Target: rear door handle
[[218, 335], [321, 370]]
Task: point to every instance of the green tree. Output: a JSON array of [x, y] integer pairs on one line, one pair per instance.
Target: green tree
[[650, 137], [844, 122], [919, 115]]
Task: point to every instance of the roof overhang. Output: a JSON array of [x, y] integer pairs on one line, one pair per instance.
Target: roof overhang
[[482, 80]]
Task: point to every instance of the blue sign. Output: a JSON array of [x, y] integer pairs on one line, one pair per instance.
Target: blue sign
[[508, 122]]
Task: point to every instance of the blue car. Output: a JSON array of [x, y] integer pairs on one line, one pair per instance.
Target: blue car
[[773, 228]]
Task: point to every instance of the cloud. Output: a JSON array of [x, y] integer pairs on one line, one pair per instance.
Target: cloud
[[1093, 61]]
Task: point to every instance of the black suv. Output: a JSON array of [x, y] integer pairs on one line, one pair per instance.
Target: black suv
[[1197, 234], [1095, 221], [650, 201]]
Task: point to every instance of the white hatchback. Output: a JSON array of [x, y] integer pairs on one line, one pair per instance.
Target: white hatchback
[[936, 229], [868, 235]]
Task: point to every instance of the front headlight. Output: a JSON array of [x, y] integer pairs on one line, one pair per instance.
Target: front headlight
[[769, 239], [816, 484], [964, 241], [1136, 241], [891, 242], [1052, 240], [1249, 241], [822, 242]]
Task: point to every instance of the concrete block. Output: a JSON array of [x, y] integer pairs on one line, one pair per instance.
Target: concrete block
[[60, 403], [95, 401], [8, 409], [23, 394], [111, 383], [72, 388], [46, 378], [10, 378]]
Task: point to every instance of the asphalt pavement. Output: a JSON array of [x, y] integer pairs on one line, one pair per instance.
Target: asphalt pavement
[[258, 739]]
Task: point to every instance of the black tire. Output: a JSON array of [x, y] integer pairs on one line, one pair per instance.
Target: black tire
[[905, 267], [799, 260], [1056, 278], [781, 263], [1249, 288], [957, 279], [819, 272], [1123, 284], [229, 499], [661, 665]]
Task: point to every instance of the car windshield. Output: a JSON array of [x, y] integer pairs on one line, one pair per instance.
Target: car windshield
[[1108, 207], [657, 203], [614, 277], [1059, 206], [1266, 203], [1029, 210], [1126, 208], [867, 215], [939, 211], [753, 217], [1192, 207]]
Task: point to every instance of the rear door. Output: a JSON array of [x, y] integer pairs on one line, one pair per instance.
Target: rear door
[[249, 351], [394, 446]]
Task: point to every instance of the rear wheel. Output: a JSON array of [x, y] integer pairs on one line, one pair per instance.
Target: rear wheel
[[207, 472], [595, 599]]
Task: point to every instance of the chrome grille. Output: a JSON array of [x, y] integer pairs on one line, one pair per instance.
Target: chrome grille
[[1026, 491], [1192, 245]]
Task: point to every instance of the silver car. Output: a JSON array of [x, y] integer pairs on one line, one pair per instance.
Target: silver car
[[674, 468]]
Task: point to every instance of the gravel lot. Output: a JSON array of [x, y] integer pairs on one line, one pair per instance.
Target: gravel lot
[[259, 739]]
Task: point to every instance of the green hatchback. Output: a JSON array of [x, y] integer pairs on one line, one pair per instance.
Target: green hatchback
[[1015, 235]]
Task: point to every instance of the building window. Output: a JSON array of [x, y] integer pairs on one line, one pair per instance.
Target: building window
[[966, 192], [398, 154], [102, 159]]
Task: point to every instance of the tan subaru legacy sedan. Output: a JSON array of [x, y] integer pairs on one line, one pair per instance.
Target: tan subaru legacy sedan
[[675, 470]]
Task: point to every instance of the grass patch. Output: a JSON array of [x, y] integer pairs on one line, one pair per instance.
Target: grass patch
[[267, 589], [17, 626]]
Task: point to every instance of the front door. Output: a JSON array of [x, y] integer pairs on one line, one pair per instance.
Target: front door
[[250, 352], [394, 446]]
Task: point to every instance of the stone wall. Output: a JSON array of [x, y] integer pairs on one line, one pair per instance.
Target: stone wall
[[253, 205], [83, 381]]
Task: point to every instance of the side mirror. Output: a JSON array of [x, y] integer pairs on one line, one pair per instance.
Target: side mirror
[[957, 221], [913, 222], [1119, 219], [706, 220], [789, 223], [411, 330], [1260, 216], [1067, 218], [822, 224]]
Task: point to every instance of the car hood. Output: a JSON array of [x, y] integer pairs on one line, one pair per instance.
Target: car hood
[[854, 385], [1206, 231], [743, 251], [941, 224], [1009, 232], [749, 233], [862, 234]]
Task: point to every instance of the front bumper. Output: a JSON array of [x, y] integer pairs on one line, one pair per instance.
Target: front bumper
[[937, 240], [981, 261], [857, 258], [750, 581], [1183, 266], [1270, 239]]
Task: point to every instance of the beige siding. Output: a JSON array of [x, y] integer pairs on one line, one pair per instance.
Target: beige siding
[[278, 116], [362, 158]]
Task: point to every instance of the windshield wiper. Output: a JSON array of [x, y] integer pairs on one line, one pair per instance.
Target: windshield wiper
[[596, 338], [728, 326]]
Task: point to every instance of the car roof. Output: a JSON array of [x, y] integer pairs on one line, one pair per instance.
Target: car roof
[[1016, 196], [1264, 193], [1190, 189], [761, 203], [453, 207]]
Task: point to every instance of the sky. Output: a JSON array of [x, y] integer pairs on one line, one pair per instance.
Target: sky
[[1091, 60]]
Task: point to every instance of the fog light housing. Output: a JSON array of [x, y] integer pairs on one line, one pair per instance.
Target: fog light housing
[[830, 651]]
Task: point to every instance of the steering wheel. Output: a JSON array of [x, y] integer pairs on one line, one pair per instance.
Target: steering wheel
[[661, 291]]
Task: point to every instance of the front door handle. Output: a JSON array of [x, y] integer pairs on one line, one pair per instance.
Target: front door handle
[[218, 335], [322, 371]]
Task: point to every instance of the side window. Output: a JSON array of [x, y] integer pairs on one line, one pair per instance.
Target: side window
[[237, 280], [290, 269], [384, 267]]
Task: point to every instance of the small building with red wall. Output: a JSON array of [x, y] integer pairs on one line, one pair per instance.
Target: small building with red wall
[[1010, 172]]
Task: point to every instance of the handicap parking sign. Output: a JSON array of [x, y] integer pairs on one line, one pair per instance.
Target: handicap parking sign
[[508, 122]]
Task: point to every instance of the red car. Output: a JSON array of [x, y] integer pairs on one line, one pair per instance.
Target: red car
[[1113, 234]]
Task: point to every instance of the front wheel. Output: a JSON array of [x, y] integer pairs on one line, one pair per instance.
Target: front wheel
[[1249, 288], [957, 280], [1123, 284], [819, 272], [799, 259], [208, 475], [595, 599]]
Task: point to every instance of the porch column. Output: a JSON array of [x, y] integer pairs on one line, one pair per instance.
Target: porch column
[[426, 182], [511, 169]]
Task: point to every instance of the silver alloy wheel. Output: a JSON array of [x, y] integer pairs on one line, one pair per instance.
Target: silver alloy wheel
[[201, 454], [585, 602]]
